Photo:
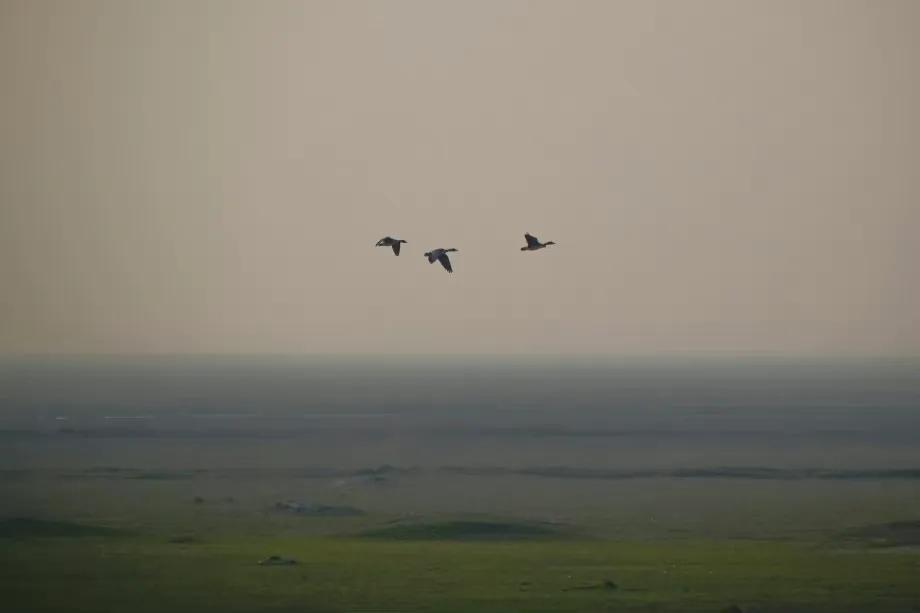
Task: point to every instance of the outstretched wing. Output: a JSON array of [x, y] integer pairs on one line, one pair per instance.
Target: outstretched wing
[[531, 240], [396, 247], [445, 262]]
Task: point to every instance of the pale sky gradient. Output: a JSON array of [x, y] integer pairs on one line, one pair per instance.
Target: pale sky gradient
[[720, 176]]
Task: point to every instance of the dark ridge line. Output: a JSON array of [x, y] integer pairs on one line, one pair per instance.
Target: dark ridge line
[[322, 429], [553, 431], [386, 471], [379, 472], [727, 472]]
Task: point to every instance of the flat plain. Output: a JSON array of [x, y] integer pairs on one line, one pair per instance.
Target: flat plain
[[151, 487]]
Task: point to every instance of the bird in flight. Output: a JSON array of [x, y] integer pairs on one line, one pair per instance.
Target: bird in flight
[[533, 243], [441, 256], [388, 241]]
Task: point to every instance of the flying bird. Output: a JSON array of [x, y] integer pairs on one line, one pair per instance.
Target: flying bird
[[533, 244], [391, 242], [441, 256]]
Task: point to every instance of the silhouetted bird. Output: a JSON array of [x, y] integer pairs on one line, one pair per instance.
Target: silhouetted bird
[[391, 242], [441, 256], [533, 244]]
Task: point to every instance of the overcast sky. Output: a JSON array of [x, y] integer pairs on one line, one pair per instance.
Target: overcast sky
[[720, 176]]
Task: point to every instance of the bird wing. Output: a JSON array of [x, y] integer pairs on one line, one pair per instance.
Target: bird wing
[[383, 242], [445, 262], [531, 240], [396, 247]]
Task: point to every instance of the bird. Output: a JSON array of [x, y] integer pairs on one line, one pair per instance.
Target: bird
[[441, 256], [388, 241], [533, 244]]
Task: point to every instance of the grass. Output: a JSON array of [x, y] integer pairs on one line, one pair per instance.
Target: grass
[[123, 544], [138, 573], [28, 527], [464, 530], [891, 534]]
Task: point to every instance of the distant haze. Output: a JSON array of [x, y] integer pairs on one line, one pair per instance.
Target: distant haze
[[211, 176]]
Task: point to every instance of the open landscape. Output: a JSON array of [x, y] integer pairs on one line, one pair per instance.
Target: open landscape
[[459, 306], [356, 484]]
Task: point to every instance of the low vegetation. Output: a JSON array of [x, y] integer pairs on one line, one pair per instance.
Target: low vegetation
[[464, 530], [28, 527], [444, 570]]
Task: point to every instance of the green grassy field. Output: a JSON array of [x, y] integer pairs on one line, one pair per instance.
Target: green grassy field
[[159, 486], [112, 539], [142, 574], [467, 565]]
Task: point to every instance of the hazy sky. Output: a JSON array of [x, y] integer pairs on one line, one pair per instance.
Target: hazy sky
[[720, 176]]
